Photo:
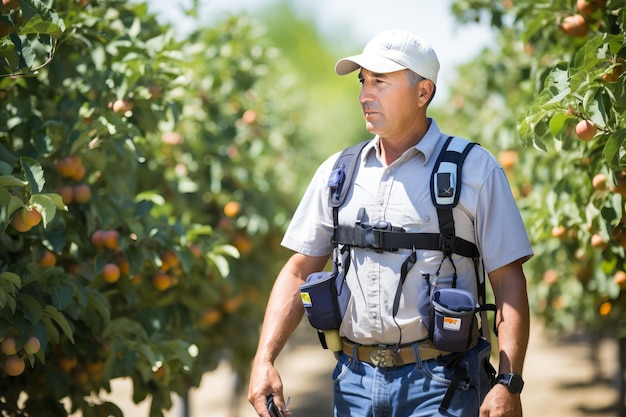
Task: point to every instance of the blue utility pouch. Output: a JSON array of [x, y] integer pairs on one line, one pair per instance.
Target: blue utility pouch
[[325, 297], [453, 319]]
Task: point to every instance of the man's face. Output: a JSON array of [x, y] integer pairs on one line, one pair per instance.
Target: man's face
[[390, 104]]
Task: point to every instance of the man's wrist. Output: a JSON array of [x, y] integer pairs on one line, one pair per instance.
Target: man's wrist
[[512, 381]]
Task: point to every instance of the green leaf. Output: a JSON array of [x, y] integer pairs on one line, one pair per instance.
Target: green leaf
[[46, 206], [36, 25], [11, 181], [51, 313], [33, 173], [96, 300], [31, 308], [11, 278], [125, 327], [557, 122]]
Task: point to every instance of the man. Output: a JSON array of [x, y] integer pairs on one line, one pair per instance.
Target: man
[[398, 73]]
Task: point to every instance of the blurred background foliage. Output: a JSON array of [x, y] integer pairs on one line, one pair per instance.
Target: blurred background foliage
[[166, 167]]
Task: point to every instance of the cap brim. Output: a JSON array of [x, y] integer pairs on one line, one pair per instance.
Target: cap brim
[[374, 63]]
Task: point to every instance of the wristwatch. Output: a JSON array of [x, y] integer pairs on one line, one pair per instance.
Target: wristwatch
[[513, 382]]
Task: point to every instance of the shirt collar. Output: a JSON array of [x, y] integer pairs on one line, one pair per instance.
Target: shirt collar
[[427, 146]]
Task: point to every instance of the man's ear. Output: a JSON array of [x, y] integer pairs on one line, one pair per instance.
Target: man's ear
[[426, 91]]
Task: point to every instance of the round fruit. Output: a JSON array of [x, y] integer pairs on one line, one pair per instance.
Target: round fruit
[[507, 159], [19, 224], [67, 194], [32, 345], [82, 193], [161, 281], [11, 4], [558, 231], [67, 363], [620, 279], [586, 130], [79, 174], [97, 239], [111, 273], [111, 239], [232, 208], [121, 106], [211, 317], [169, 260], [67, 166], [14, 366], [586, 8], [575, 26], [599, 181], [597, 241], [48, 259], [30, 216], [8, 346]]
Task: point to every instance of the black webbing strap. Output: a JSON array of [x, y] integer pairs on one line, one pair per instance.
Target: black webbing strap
[[459, 374], [444, 210], [388, 240], [342, 174]]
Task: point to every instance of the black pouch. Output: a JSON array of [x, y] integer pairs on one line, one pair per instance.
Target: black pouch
[[325, 297]]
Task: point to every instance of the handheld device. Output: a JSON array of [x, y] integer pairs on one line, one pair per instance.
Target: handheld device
[[273, 408]]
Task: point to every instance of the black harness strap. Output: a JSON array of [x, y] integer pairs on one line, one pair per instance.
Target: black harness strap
[[389, 240]]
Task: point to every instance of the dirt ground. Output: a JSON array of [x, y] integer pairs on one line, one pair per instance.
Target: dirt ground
[[561, 380]]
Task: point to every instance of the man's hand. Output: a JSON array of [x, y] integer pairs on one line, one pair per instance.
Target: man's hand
[[500, 402], [265, 381]]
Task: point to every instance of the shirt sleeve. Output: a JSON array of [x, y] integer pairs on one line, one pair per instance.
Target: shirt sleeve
[[311, 227], [500, 231]]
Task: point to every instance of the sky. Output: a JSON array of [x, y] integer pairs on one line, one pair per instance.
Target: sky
[[359, 20]]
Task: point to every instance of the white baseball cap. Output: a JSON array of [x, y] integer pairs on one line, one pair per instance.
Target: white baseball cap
[[394, 50]]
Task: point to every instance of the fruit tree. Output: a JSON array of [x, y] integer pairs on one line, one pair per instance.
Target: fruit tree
[[134, 167], [556, 80]]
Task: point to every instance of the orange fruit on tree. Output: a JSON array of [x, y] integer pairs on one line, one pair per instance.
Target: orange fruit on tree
[[14, 366], [575, 26], [79, 174], [11, 4], [82, 193], [211, 316], [161, 281], [597, 241], [8, 346], [30, 216], [67, 166], [97, 239], [48, 258], [169, 260], [111, 273], [67, 363], [67, 194], [111, 239], [605, 308], [586, 130], [620, 279], [599, 181], [232, 208], [18, 223]]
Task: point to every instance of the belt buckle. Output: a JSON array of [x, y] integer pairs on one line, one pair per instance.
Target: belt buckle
[[382, 358]]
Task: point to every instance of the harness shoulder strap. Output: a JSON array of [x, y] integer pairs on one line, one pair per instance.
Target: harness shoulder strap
[[445, 187], [343, 172]]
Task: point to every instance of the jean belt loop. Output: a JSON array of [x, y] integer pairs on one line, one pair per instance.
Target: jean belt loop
[[418, 358]]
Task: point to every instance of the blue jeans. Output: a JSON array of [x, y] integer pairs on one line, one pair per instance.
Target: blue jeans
[[414, 390]]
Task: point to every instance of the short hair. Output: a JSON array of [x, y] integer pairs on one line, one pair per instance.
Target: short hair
[[415, 78]]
